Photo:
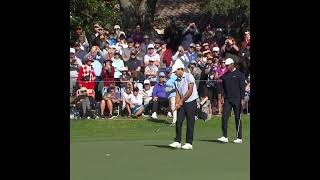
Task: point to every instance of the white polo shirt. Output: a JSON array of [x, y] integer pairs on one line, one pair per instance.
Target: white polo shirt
[[182, 86]]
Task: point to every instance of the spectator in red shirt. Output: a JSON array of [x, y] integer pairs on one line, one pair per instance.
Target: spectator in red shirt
[[86, 74], [165, 54], [107, 74]]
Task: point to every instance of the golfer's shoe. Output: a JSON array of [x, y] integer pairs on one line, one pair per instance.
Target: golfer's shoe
[[169, 114], [175, 145], [238, 141], [187, 146], [223, 139], [154, 115]]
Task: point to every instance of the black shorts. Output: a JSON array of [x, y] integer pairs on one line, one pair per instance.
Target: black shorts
[[219, 88]]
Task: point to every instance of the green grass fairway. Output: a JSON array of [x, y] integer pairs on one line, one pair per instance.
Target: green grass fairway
[[130, 149]]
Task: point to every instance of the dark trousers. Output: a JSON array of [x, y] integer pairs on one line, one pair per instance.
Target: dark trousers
[[189, 110], [96, 88], [227, 106], [161, 101]]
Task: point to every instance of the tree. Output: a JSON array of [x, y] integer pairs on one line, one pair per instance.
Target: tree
[[137, 11], [86, 12], [234, 9]]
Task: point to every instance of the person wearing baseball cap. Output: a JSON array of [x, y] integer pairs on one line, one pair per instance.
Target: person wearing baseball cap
[[151, 71], [147, 96], [186, 105], [215, 51], [151, 54], [75, 64], [159, 96], [233, 91], [190, 53], [171, 93], [118, 64]]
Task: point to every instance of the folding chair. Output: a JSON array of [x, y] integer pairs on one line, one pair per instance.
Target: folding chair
[[76, 111], [116, 109]]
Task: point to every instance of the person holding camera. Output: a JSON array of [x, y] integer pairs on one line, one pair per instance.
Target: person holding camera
[[134, 64], [188, 35], [107, 74], [86, 74], [231, 50], [182, 57], [84, 102]]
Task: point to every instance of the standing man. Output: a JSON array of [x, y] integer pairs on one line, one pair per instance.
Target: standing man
[[233, 88], [171, 93], [186, 104]]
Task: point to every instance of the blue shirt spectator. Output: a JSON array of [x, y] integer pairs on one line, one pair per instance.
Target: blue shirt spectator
[[159, 91], [170, 87], [97, 66]]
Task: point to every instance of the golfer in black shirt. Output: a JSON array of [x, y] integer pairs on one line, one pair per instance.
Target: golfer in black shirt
[[233, 85]]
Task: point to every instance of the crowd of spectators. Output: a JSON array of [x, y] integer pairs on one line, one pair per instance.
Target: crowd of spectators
[[140, 68]]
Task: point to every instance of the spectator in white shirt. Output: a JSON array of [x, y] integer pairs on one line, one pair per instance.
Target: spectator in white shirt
[[151, 55], [135, 107]]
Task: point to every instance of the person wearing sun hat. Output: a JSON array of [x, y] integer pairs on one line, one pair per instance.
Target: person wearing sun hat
[[118, 64], [86, 74]]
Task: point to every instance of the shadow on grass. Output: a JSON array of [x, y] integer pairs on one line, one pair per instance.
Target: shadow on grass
[[158, 121], [159, 146], [213, 140]]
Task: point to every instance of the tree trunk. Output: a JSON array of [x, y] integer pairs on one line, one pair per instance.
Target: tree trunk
[[138, 11]]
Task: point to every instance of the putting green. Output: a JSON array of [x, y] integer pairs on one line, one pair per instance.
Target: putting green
[[131, 149]]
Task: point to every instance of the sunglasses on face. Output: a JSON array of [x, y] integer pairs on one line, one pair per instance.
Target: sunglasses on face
[[83, 91], [146, 84]]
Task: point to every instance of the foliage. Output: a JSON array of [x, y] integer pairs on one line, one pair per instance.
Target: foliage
[[86, 12], [235, 9]]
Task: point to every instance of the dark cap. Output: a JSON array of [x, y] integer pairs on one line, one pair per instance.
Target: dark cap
[[129, 40], [136, 89]]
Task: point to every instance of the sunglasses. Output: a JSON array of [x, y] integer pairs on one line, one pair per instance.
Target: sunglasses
[[83, 91], [146, 84], [161, 76]]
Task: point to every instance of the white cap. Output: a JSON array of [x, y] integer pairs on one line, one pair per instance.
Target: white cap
[[72, 50], [229, 61], [150, 46], [215, 49], [146, 81], [122, 33], [178, 64], [113, 46], [116, 27]]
